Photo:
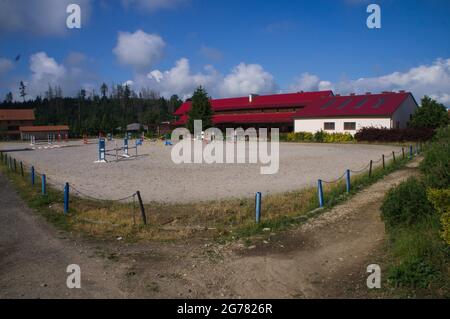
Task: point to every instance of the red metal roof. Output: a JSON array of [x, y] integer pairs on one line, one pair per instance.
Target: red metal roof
[[254, 118], [316, 104], [16, 115], [383, 104], [44, 128], [260, 101]]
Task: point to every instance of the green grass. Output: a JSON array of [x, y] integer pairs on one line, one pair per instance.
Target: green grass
[[417, 258], [223, 220], [419, 261]]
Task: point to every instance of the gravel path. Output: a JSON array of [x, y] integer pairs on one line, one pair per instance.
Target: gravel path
[[34, 257], [160, 179]]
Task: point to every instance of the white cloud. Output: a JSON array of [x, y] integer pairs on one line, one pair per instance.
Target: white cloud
[[432, 80], [139, 49], [243, 79], [5, 66], [45, 68], [75, 58], [45, 71], [129, 83], [247, 78], [153, 5], [211, 53], [178, 80], [308, 82], [42, 17]]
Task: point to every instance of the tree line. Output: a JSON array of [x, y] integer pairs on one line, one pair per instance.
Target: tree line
[[91, 113]]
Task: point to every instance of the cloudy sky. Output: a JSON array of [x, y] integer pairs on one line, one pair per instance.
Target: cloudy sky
[[231, 47]]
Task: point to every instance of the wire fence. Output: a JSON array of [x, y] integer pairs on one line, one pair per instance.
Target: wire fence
[[28, 171], [402, 154], [361, 169], [335, 180], [36, 178]]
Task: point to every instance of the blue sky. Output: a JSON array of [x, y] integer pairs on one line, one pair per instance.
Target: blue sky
[[231, 47]]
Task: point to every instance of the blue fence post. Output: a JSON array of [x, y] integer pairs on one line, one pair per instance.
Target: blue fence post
[[258, 207], [66, 198], [348, 181], [32, 175], [320, 192], [44, 188], [410, 151]]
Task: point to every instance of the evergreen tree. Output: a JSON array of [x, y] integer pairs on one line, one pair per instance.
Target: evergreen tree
[[104, 90], [22, 91], [200, 110]]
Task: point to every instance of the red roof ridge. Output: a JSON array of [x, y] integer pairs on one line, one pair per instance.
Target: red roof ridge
[[40, 128], [17, 114]]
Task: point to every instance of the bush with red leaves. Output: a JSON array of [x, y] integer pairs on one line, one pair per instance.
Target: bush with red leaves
[[372, 134]]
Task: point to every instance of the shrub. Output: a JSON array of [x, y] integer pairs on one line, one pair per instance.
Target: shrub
[[440, 198], [338, 138], [406, 204], [372, 134], [436, 163], [415, 273], [320, 136]]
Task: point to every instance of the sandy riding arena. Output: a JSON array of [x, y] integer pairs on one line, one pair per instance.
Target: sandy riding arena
[[158, 178]]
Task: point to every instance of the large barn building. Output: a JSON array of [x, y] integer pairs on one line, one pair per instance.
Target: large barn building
[[266, 111], [310, 111], [348, 114], [12, 119]]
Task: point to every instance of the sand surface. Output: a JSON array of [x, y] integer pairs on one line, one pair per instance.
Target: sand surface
[[158, 178]]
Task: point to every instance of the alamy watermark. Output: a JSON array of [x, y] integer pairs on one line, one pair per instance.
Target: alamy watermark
[[374, 279], [236, 147], [73, 20], [374, 19], [74, 279]]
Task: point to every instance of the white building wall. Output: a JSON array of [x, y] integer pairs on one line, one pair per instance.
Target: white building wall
[[314, 125], [403, 113]]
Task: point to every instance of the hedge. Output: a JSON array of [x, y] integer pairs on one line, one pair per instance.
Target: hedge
[[372, 134]]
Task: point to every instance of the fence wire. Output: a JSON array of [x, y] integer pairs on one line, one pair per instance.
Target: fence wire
[[83, 194], [360, 170], [335, 180]]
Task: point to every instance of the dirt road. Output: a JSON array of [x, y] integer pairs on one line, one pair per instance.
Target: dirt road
[[326, 257], [34, 256]]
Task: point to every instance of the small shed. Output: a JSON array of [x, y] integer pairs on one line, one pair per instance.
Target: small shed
[[136, 127]]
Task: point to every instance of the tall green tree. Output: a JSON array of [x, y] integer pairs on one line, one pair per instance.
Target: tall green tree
[[200, 110], [104, 90], [22, 90], [430, 114]]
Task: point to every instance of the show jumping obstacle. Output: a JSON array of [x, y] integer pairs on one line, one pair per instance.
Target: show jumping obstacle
[[114, 152]]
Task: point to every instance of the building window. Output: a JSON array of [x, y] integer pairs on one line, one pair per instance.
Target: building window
[[349, 126], [328, 126]]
